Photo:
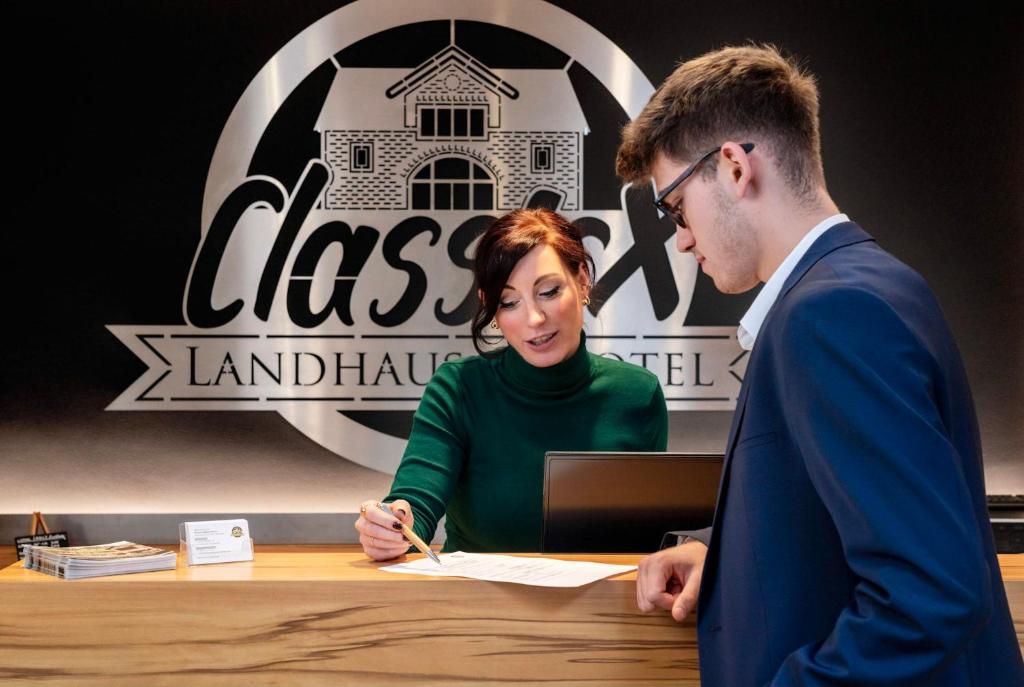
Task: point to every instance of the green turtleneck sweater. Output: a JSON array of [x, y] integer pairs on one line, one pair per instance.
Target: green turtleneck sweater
[[478, 440]]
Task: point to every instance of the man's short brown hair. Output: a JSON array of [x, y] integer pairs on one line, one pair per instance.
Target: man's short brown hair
[[749, 93]]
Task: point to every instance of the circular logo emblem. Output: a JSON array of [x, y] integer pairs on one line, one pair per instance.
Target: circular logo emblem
[[345, 196]]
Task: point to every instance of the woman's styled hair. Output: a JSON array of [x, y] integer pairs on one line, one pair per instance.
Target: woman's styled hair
[[502, 246]]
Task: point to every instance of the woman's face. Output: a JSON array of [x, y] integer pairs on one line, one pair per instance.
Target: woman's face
[[541, 308]]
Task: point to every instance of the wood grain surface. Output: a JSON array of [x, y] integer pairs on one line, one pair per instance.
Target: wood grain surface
[[328, 616]]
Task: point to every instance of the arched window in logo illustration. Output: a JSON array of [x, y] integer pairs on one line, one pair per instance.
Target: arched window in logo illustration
[[452, 183]]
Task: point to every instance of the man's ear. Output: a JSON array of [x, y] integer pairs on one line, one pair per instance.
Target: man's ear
[[735, 167]]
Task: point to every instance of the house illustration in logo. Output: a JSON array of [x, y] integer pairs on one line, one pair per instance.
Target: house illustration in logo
[[452, 134]]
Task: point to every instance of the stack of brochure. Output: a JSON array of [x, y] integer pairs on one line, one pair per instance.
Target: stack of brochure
[[94, 561]]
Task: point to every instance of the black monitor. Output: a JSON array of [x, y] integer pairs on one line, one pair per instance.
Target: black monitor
[[605, 502]]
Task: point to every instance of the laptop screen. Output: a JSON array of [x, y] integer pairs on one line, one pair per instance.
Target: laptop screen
[[597, 502]]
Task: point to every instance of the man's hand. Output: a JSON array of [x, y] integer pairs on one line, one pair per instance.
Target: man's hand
[[670, 579]]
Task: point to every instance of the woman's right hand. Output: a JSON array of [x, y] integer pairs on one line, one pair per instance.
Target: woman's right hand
[[381, 534]]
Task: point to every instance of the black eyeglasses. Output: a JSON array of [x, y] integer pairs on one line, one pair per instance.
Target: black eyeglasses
[[675, 212]]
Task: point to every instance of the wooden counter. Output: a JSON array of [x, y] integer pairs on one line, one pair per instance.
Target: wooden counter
[[327, 616]]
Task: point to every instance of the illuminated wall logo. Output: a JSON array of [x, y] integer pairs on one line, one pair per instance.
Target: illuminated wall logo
[[344, 199], [441, 137]]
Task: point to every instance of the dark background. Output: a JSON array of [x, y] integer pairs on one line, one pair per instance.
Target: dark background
[[114, 110]]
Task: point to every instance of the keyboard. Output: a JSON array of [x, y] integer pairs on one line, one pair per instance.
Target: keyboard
[[1005, 501], [1006, 511], [1009, 535]]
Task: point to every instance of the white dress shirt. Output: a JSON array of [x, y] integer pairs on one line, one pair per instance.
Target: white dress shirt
[[751, 322]]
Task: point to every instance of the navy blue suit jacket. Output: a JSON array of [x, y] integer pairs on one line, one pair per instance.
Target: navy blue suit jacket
[[851, 543]]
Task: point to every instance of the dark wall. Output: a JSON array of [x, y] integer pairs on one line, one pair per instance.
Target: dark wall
[[115, 109], [922, 107]]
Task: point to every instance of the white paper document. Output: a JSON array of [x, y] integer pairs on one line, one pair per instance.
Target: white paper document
[[539, 572]]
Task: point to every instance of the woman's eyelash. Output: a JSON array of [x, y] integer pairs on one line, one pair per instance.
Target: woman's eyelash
[[550, 293]]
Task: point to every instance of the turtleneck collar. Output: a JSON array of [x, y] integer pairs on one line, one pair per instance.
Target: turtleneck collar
[[561, 378]]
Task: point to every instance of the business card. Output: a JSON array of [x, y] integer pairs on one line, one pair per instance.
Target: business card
[[215, 541]]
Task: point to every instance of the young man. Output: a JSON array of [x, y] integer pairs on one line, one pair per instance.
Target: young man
[[851, 544]]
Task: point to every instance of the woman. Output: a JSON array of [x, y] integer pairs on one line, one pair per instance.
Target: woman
[[478, 439]]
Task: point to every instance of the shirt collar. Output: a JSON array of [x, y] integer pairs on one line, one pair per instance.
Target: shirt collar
[[751, 322]]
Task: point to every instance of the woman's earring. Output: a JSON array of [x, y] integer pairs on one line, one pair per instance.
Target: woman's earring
[[494, 324], [586, 300]]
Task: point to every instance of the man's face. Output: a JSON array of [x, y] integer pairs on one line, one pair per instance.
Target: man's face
[[718, 234]]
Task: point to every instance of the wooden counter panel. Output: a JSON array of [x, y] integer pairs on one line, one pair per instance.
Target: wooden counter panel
[[335, 621], [327, 616]]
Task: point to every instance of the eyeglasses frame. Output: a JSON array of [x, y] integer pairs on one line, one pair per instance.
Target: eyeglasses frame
[[673, 212]]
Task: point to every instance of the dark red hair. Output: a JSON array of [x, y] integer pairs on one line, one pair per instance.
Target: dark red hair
[[504, 244]]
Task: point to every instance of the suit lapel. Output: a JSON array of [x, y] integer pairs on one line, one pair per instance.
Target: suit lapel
[[841, 235], [711, 561], [844, 234]]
